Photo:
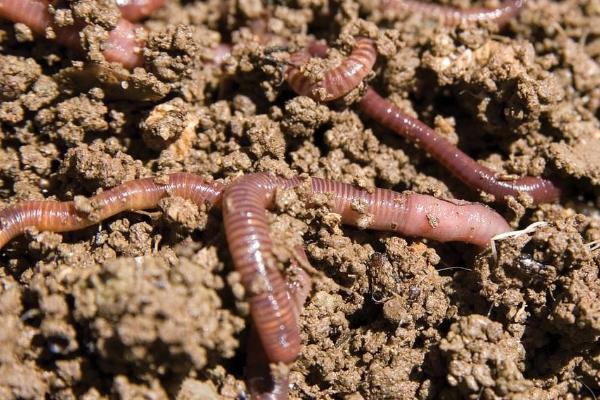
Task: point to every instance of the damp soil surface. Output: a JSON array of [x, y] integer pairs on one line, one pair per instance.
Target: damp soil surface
[[146, 305]]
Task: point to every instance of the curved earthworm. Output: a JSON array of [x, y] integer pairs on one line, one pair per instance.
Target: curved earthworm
[[262, 383], [461, 165], [451, 16], [247, 230], [134, 10], [336, 82], [121, 45]]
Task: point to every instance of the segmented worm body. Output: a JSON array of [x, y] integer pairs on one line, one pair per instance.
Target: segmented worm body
[[461, 165], [451, 16], [262, 383], [244, 204], [387, 114], [139, 194], [336, 82], [135, 10], [121, 45]]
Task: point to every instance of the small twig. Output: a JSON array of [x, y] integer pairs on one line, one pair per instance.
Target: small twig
[[506, 235]]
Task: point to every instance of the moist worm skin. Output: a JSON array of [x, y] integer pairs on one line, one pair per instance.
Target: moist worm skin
[[135, 10], [336, 82], [262, 384], [139, 194], [388, 115], [461, 165], [247, 231], [451, 16], [121, 45]]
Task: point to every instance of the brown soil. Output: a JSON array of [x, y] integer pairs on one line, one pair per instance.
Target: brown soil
[[147, 305]]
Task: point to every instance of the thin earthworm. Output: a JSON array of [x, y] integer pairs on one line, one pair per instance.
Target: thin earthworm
[[388, 115], [262, 384], [451, 16], [134, 10], [121, 45], [336, 82], [461, 165], [139, 194], [246, 226]]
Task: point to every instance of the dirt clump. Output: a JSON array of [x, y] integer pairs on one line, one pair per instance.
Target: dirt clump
[[147, 304]]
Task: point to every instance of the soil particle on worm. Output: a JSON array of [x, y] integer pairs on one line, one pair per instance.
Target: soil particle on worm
[[146, 305]]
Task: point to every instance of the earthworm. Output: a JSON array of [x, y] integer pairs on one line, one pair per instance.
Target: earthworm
[[133, 195], [134, 10], [461, 165], [262, 383], [451, 16], [121, 45], [247, 230], [336, 82]]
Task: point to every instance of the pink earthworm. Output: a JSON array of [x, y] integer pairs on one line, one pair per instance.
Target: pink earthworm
[[388, 115], [451, 16], [139, 194], [247, 231], [452, 158], [121, 45], [246, 226], [336, 82], [135, 10], [262, 383]]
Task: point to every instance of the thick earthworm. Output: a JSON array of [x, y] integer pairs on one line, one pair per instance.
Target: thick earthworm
[[139, 194], [461, 165], [134, 10], [336, 82], [247, 231], [262, 383], [451, 16], [121, 45]]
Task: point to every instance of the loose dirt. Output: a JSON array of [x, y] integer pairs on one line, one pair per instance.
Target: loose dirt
[[147, 304]]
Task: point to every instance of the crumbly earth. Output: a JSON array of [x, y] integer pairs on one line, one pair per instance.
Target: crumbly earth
[[147, 304]]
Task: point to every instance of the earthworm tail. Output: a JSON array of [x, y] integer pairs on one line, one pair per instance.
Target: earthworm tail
[[336, 82], [263, 384], [121, 45], [461, 165], [451, 16], [134, 195], [134, 10]]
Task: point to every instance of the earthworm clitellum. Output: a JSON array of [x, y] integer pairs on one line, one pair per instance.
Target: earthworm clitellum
[[275, 302], [244, 203], [342, 79]]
